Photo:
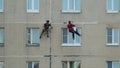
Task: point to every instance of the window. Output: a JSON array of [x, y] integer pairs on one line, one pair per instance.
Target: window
[[32, 5], [33, 36], [67, 39], [71, 64], [32, 64], [112, 64], [1, 36], [1, 64], [112, 6], [71, 5], [112, 36], [1, 5]]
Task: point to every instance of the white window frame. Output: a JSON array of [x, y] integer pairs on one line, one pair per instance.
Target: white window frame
[[32, 10], [68, 44], [68, 63], [1, 10], [112, 63], [113, 43], [30, 34], [33, 63], [111, 11], [71, 10]]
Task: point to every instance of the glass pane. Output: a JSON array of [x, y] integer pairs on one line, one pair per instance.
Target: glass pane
[[77, 5], [71, 64], [115, 64], [1, 36], [109, 64], [35, 36], [109, 5], [116, 35], [64, 64], [64, 4], [1, 4], [109, 31], [78, 37], [29, 64], [71, 4], [109, 39], [1, 64], [36, 64], [71, 41], [64, 35], [77, 64], [116, 5], [36, 4], [29, 4], [28, 36]]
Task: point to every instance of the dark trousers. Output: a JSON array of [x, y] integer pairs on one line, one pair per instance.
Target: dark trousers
[[43, 31], [73, 34]]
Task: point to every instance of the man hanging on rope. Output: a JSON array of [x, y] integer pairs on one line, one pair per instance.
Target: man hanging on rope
[[72, 29], [46, 29]]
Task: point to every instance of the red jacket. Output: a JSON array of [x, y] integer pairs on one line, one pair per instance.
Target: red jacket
[[70, 27]]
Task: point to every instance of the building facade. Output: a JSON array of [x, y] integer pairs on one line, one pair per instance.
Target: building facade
[[21, 23]]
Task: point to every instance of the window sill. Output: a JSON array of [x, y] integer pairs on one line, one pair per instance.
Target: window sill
[[32, 45], [112, 44], [1, 11], [70, 11], [71, 45], [112, 12], [32, 11]]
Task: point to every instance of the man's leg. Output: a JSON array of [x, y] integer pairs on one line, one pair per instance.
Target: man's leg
[[73, 35], [77, 33], [42, 33], [47, 30]]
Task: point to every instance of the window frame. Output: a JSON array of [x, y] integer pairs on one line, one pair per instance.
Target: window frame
[[33, 62], [33, 9], [113, 43], [112, 10], [2, 10], [32, 44], [71, 10], [2, 44], [2, 62], [112, 63], [72, 44], [74, 62]]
